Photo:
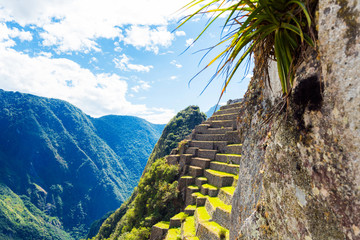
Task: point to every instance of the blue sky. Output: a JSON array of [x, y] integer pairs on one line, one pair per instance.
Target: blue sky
[[110, 56]]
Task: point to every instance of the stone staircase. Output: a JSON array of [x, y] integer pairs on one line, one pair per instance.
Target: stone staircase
[[209, 163]]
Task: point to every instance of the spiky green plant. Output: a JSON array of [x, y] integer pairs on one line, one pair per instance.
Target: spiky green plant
[[270, 29]]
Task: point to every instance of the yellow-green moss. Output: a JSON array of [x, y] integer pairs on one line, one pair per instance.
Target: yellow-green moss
[[180, 216], [202, 214], [173, 234], [220, 174], [189, 227], [190, 207], [209, 186], [216, 228], [216, 202], [162, 224], [229, 190]]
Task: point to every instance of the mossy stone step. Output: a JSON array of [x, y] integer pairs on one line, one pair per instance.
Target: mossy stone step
[[175, 221], [200, 181], [159, 230], [209, 230], [200, 162], [228, 158], [172, 159], [185, 181], [189, 194], [210, 137], [222, 123], [207, 153], [233, 149], [198, 199], [226, 194], [219, 211], [207, 189], [190, 210], [236, 178], [196, 171], [201, 215], [224, 116], [219, 179], [173, 233], [188, 229], [224, 167]]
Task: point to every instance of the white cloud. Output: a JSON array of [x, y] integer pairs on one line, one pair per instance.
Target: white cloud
[[123, 63], [75, 25], [7, 34], [95, 94], [180, 33], [189, 42], [173, 77], [176, 64], [150, 39], [249, 75], [142, 86]]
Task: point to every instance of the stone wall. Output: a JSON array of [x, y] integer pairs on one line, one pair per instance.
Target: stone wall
[[299, 177]]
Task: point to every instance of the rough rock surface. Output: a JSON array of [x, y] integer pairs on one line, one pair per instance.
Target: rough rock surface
[[298, 178]]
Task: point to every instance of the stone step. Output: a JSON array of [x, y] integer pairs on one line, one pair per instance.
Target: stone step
[[198, 199], [192, 150], [207, 189], [172, 159], [190, 210], [224, 167], [200, 162], [173, 233], [175, 221], [210, 137], [222, 123], [186, 181], [232, 137], [234, 105], [192, 189], [233, 149], [236, 178], [200, 181], [228, 116], [227, 111], [185, 159], [188, 230], [228, 158], [207, 153], [159, 230], [218, 211], [222, 130], [209, 230], [219, 179], [212, 145], [195, 171], [226, 194], [201, 127]]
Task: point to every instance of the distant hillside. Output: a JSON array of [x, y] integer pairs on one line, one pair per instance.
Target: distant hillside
[[68, 164], [132, 220], [211, 111]]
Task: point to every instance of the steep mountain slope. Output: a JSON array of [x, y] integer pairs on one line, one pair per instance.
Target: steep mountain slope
[[20, 219], [129, 221], [63, 159]]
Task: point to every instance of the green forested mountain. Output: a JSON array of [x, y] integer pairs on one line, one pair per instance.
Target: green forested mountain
[[176, 130], [156, 196], [67, 164]]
